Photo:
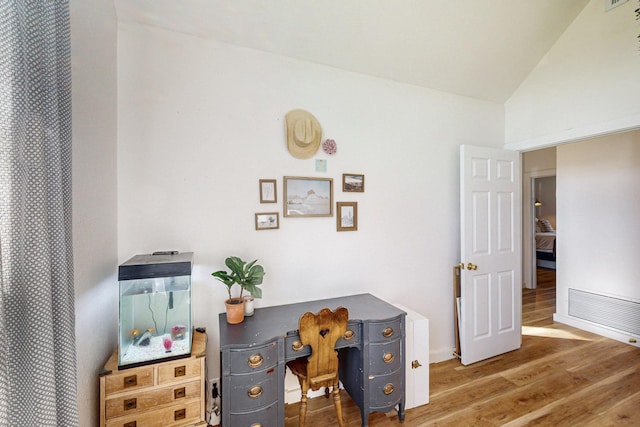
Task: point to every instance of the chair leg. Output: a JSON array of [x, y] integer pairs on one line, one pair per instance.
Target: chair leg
[[337, 403], [303, 406]]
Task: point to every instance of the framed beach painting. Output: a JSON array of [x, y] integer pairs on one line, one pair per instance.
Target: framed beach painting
[[308, 197]]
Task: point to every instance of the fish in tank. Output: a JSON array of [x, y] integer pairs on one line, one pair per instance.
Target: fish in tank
[[155, 308]]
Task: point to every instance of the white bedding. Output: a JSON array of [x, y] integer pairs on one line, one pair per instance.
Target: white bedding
[[544, 241]]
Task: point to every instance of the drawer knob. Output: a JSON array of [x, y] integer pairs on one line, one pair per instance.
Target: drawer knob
[[348, 335], [387, 332], [180, 414], [388, 389], [297, 345], [255, 360], [255, 392], [130, 404], [387, 357], [179, 393], [180, 371], [256, 425], [131, 381]]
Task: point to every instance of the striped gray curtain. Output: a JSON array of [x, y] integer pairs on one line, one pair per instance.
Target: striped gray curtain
[[37, 320]]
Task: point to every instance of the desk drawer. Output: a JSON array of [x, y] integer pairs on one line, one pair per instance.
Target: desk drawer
[[252, 391], [385, 358], [386, 390], [292, 349], [253, 359], [385, 331], [141, 401], [266, 417]]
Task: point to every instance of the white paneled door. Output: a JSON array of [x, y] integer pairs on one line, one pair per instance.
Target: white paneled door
[[490, 212]]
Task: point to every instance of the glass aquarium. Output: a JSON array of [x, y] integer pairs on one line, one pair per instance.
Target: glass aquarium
[[155, 308]]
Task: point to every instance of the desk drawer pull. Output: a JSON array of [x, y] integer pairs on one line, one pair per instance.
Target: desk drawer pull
[[255, 392], [130, 424], [348, 335], [387, 332], [180, 414], [180, 371], [297, 345], [130, 381], [387, 357], [130, 404], [179, 393], [256, 425], [388, 389], [255, 360]]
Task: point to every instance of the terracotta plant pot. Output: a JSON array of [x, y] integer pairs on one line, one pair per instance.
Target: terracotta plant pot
[[235, 310]]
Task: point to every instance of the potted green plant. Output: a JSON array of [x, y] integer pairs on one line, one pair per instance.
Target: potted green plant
[[247, 276]]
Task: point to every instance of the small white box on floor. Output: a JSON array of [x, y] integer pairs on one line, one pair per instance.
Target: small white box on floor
[[417, 358]]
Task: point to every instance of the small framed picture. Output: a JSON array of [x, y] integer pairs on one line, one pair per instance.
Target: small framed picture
[[267, 221], [308, 197], [268, 192], [352, 183], [347, 216]]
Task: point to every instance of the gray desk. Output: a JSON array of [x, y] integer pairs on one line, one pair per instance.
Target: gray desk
[[254, 354]]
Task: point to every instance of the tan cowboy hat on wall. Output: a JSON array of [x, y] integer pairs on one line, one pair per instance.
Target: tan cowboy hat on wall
[[303, 134]]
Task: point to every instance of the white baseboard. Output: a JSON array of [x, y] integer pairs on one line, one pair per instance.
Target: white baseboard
[[597, 329], [441, 355]]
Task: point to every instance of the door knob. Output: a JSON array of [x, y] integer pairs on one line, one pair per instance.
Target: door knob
[[471, 266], [460, 265]]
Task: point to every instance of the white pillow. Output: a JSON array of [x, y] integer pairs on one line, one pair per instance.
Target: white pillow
[[545, 225]]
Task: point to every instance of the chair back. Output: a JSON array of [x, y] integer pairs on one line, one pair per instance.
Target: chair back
[[321, 331]]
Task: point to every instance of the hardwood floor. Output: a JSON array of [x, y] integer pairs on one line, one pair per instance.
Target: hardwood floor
[[561, 376]]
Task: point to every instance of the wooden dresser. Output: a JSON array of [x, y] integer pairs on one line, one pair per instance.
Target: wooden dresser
[[160, 394]]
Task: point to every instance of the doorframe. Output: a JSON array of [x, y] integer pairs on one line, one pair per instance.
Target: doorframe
[[529, 277]]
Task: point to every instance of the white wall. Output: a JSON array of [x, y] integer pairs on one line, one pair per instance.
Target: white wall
[[545, 192], [598, 188], [586, 85], [93, 54], [200, 122]]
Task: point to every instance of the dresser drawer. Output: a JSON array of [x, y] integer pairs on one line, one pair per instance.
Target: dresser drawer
[[385, 331], [254, 359], [384, 358], [179, 370], [252, 391], [130, 379], [386, 390], [265, 417], [141, 401], [176, 415]]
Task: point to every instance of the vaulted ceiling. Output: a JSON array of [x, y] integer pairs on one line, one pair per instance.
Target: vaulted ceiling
[[477, 48]]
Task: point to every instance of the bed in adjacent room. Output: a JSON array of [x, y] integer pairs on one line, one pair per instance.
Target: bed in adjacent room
[[545, 244]]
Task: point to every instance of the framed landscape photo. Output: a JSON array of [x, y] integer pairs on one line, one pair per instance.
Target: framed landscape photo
[[352, 183], [268, 191], [267, 221], [347, 216], [308, 197]]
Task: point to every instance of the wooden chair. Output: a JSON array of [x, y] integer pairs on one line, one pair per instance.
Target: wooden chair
[[320, 332]]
